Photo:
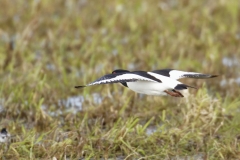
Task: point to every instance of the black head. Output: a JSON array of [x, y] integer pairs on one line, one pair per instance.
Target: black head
[[4, 131], [117, 71], [120, 71]]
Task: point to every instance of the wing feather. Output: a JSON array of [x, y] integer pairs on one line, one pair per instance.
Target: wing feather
[[118, 78], [176, 74]]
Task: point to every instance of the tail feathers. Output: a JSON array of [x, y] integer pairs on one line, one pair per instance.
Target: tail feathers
[[183, 86]]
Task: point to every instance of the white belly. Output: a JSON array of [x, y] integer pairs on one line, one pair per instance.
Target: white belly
[[149, 88]]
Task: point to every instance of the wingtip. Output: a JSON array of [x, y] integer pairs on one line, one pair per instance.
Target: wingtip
[[80, 86], [213, 76]]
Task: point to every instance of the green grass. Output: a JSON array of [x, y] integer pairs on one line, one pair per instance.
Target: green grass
[[48, 47]]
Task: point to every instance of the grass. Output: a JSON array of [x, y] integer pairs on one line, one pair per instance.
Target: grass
[[48, 47]]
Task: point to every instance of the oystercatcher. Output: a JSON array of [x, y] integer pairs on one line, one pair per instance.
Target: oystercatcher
[[4, 135], [157, 82]]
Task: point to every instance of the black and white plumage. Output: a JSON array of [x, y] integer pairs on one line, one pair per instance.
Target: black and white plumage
[[4, 135], [157, 82]]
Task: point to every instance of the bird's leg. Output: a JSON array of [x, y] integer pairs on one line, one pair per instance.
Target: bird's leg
[[174, 93]]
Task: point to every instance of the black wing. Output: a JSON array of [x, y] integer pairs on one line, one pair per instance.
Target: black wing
[[176, 74], [120, 78]]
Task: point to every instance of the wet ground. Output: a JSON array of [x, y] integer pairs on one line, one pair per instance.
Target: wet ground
[[48, 47]]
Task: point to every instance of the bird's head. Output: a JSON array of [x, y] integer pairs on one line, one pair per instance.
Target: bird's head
[[119, 71]]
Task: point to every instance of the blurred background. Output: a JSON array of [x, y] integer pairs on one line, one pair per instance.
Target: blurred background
[[48, 47]]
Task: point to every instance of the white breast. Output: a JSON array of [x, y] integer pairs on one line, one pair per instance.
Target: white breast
[[149, 88]]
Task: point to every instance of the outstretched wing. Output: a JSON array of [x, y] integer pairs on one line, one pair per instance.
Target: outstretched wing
[[175, 74], [119, 78]]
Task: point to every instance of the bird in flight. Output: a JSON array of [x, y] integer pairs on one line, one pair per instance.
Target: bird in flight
[[157, 82]]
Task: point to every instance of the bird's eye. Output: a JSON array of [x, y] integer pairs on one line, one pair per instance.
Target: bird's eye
[[114, 72]]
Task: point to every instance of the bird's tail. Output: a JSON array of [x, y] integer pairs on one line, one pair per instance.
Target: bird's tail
[[183, 86]]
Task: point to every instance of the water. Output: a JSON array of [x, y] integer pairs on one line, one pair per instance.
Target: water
[[150, 130], [73, 104], [230, 61], [198, 156], [97, 98]]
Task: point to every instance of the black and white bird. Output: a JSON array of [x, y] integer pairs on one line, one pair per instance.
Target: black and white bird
[[157, 82], [4, 136]]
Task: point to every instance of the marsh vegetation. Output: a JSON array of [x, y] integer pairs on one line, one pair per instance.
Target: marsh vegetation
[[48, 47]]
